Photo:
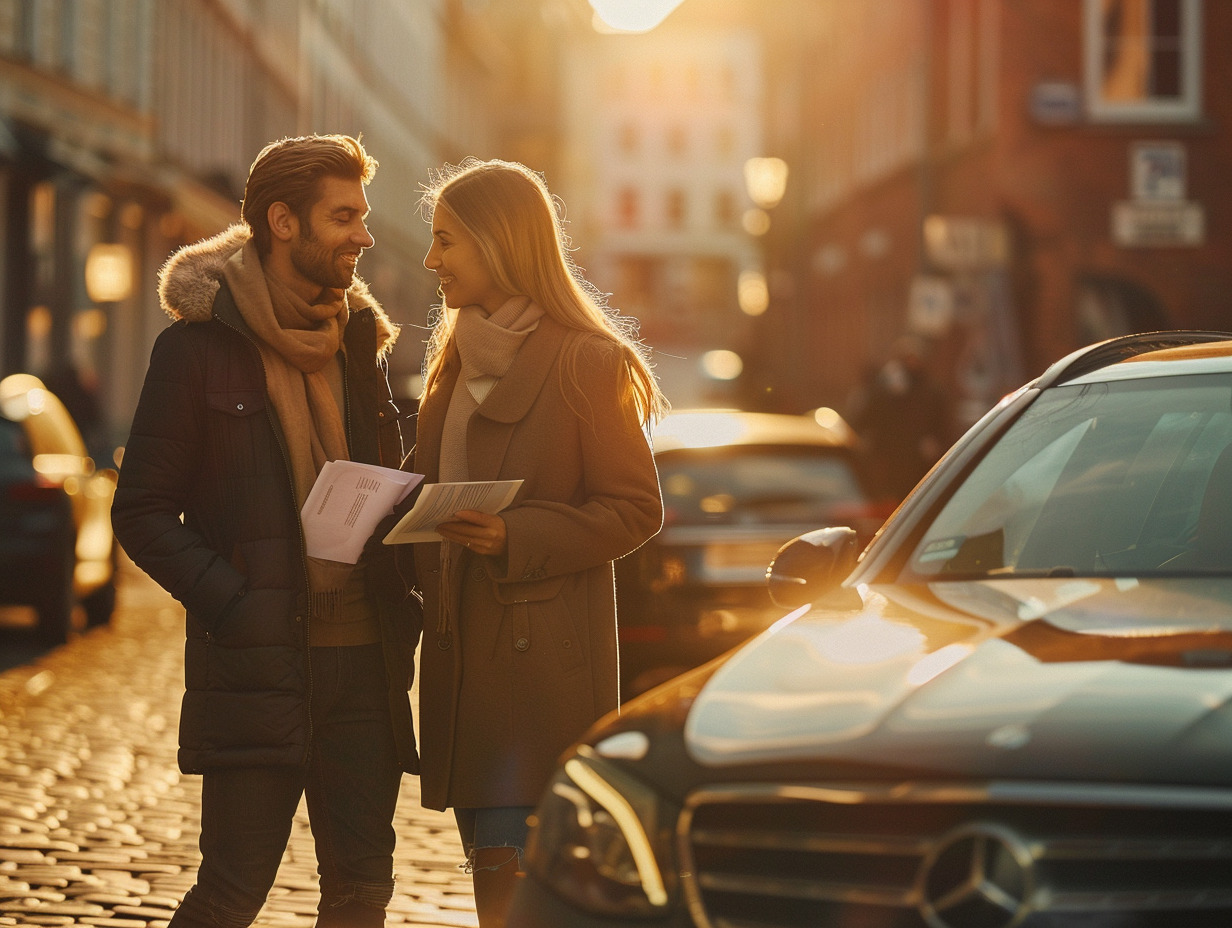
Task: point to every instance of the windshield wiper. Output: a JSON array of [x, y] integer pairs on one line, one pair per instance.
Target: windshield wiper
[[1058, 571]]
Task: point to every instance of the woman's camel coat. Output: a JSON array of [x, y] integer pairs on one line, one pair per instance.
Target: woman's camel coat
[[530, 661]]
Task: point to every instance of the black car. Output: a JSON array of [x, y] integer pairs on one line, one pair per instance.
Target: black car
[[736, 486], [1014, 709], [57, 550]]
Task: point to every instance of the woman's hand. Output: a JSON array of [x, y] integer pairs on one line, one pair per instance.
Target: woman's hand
[[482, 532]]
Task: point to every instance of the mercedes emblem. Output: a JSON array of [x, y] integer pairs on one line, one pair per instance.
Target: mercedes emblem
[[981, 875]]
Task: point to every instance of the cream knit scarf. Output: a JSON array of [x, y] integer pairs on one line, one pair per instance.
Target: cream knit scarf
[[298, 340], [486, 346]]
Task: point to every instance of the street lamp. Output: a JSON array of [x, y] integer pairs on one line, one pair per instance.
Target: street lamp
[[766, 180]]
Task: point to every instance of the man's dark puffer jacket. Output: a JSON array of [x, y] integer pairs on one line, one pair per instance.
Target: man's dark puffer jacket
[[204, 443]]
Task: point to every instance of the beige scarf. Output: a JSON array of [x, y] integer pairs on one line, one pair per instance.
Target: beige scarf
[[486, 346], [298, 341]]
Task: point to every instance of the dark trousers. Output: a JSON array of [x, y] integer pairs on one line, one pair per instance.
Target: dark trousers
[[351, 783]]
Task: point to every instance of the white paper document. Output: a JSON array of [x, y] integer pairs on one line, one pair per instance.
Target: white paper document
[[346, 503], [438, 502]]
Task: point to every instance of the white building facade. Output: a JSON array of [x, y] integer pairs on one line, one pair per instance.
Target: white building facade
[[658, 128]]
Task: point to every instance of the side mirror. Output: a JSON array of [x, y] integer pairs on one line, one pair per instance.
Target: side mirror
[[811, 565]]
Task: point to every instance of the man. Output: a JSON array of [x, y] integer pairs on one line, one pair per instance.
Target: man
[[902, 419], [296, 669]]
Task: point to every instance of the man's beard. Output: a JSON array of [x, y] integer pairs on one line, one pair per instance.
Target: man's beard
[[316, 263]]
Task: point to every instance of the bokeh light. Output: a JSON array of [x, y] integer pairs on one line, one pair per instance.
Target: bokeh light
[[722, 364], [753, 293], [632, 16]]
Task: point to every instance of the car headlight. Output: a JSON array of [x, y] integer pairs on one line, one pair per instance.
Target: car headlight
[[602, 839]]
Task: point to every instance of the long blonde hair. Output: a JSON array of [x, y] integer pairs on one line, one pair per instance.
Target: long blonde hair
[[515, 221]]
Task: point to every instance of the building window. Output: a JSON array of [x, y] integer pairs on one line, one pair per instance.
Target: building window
[[627, 139], [674, 208], [48, 34], [12, 38], [628, 208], [677, 141], [88, 41], [693, 82], [972, 99], [1143, 60]]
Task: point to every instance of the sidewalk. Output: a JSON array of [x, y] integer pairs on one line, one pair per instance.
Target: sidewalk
[[98, 827]]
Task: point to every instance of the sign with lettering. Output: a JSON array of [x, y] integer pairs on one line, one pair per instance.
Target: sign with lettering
[[1157, 223]]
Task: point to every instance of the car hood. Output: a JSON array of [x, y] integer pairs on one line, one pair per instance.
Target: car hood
[[1063, 678]]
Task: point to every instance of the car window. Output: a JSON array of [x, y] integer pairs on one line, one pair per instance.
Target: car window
[[1097, 479], [14, 452], [757, 485]]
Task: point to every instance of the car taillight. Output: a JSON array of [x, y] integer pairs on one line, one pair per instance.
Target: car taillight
[[33, 492]]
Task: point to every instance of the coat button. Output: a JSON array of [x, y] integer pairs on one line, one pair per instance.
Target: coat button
[[239, 406], [521, 644], [567, 643], [444, 642], [479, 574]]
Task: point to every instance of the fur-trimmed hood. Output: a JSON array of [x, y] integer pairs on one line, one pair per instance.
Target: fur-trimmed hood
[[189, 281]]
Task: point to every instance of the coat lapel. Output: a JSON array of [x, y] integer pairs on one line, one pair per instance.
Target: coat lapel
[[492, 425]]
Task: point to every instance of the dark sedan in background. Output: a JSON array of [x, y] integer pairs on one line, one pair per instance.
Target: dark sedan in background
[[1013, 709], [736, 486]]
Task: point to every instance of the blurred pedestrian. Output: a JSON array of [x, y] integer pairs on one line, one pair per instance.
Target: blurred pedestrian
[[902, 418], [297, 669], [529, 375]]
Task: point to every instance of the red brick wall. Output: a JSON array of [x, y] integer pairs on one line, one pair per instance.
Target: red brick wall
[[1053, 185]]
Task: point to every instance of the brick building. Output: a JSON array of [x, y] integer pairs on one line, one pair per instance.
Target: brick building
[[1006, 179]]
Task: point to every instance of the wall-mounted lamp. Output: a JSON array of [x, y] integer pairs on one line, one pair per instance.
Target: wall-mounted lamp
[[109, 273]]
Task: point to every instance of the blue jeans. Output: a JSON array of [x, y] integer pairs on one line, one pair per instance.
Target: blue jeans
[[351, 782], [501, 826]]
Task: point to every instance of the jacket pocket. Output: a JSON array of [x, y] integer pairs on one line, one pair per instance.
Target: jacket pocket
[[238, 403], [540, 613], [528, 591], [555, 614]]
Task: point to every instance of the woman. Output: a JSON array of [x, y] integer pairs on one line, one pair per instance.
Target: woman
[[528, 376]]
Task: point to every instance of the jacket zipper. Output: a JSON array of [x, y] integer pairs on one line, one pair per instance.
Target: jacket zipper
[[303, 552]]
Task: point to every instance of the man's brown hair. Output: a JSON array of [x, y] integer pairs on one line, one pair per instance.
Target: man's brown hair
[[289, 171]]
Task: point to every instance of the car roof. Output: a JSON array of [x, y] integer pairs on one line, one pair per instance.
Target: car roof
[[1199, 358], [712, 428], [1125, 348]]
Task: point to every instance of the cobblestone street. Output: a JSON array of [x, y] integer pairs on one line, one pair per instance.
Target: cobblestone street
[[98, 827]]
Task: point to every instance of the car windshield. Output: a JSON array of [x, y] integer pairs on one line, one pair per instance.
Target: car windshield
[[14, 452], [758, 485], [1126, 478]]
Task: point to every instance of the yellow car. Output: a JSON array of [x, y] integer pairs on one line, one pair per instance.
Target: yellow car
[[736, 485], [57, 550]]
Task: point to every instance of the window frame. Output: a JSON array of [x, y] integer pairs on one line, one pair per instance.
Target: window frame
[[1186, 108]]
